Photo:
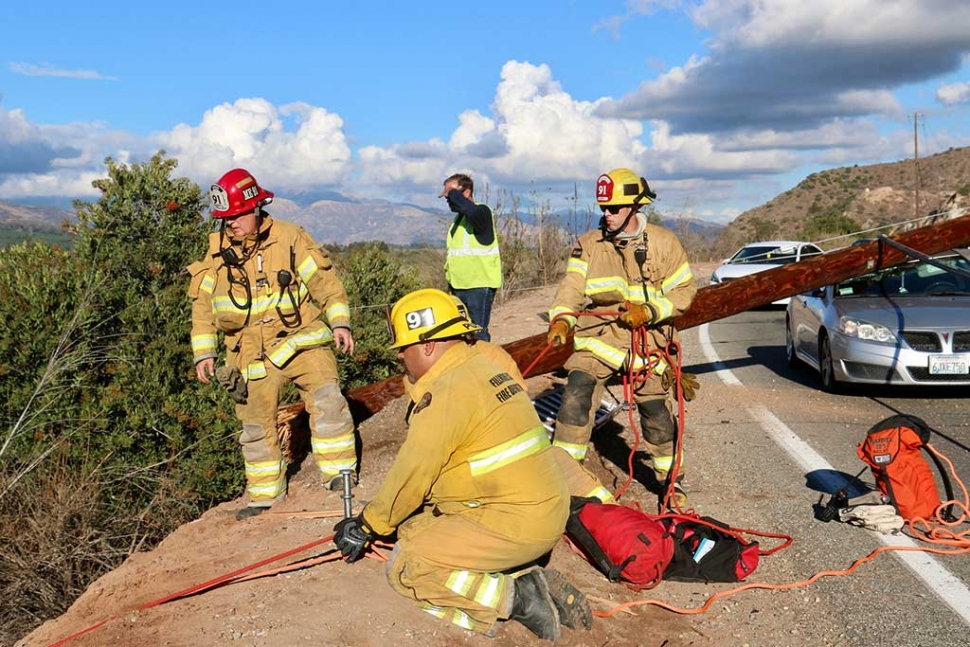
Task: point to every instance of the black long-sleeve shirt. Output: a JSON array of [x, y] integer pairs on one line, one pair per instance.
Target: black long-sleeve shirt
[[479, 216]]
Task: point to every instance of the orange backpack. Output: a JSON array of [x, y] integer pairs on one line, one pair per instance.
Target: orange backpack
[[892, 451]]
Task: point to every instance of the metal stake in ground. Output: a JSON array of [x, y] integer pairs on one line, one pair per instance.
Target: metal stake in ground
[[347, 495]]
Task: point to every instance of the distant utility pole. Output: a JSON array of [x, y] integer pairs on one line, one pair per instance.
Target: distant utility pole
[[916, 162]]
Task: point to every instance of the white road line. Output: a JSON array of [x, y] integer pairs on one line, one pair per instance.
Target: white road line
[[942, 582]]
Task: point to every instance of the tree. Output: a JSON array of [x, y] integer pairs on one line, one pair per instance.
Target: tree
[[98, 399], [374, 281]]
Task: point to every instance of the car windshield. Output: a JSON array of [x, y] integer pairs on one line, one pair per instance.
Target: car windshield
[[910, 279], [765, 254]]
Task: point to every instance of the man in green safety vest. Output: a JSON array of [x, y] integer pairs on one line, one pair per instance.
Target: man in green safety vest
[[473, 267]]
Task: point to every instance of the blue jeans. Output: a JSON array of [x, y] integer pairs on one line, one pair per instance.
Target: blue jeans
[[479, 304]]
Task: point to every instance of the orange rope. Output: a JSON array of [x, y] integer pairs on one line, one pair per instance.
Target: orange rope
[[238, 576]]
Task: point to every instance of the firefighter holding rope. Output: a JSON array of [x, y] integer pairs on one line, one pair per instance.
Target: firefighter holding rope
[[639, 269]]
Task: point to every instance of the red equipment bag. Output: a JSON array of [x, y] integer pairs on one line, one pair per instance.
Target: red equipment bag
[[625, 544], [892, 451], [706, 550]]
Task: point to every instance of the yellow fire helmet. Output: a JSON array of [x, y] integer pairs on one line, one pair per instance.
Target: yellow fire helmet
[[622, 187], [462, 310], [424, 315]]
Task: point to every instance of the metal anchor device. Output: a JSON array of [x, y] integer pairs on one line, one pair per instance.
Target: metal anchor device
[[347, 494]]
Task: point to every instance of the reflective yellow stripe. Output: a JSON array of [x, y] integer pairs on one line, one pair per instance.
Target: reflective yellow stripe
[[578, 266], [208, 283], [460, 582], [613, 357], [307, 268], [559, 310], [665, 307], [263, 468], [491, 591], [600, 493], [508, 452], [298, 342], [338, 311], [437, 612], [265, 480], [462, 619], [334, 443], [578, 452], [682, 275], [255, 371], [332, 467], [203, 343], [663, 463]]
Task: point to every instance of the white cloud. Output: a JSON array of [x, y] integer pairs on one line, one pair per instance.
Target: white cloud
[[839, 133], [691, 155], [68, 183], [794, 65], [536, 132], [46, 69], [255, 134], [953, 94]]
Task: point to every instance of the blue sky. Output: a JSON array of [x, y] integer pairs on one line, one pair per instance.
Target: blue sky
[[720, 104]]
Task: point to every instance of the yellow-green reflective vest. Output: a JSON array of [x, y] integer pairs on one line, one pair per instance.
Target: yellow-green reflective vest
[[471, 264]]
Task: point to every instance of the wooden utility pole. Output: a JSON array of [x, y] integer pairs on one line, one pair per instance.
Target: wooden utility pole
[[916, 162], [714, 302]]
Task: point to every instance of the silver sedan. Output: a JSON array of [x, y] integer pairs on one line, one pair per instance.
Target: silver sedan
[[908, 324]]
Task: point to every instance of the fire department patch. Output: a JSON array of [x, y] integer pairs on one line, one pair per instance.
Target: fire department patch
[[577, 251], [422, 404]]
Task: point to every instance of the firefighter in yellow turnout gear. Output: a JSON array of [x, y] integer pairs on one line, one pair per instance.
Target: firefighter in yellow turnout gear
[[478, 465], [631, 266], [254, 286]]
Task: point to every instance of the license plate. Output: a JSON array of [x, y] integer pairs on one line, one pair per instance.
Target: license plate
[[949, 364]]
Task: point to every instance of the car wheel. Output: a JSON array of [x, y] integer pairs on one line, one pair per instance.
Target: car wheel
[[825, 366], [790, 353]]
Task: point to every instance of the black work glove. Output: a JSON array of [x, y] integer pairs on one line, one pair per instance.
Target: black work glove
[[352, 537]]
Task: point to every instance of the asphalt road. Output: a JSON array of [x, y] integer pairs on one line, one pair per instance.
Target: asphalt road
[[764, 444]]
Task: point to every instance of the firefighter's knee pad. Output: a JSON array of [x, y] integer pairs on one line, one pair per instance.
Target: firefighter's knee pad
[[332, 410], [252, 434], [577, 399], [656, 421]]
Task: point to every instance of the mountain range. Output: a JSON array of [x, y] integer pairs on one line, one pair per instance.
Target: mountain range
[[863, 197], [332, 218]]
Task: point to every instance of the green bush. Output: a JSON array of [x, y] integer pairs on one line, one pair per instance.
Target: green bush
[[374, 280]]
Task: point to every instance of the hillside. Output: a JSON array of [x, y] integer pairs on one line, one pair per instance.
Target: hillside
[[33, 218], [870, 196]]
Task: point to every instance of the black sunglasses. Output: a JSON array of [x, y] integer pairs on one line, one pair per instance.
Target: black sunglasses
[[613, 208]]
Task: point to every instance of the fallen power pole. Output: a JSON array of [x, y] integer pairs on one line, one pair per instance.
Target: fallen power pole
[[719, 301]]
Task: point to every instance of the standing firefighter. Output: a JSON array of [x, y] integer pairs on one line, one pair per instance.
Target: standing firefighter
[[478, 465], [631, 266], [255, 285]]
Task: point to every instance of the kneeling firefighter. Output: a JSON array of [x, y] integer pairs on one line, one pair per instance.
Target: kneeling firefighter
[[640, 268], [478, 465]]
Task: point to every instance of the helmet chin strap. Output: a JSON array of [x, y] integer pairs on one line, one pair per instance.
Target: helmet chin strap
[[610, 234]]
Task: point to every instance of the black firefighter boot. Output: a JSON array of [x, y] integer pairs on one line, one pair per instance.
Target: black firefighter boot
[[570, 602], [534, 607]]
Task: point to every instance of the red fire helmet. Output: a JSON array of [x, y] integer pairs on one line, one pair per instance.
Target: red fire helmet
[[236, 193]]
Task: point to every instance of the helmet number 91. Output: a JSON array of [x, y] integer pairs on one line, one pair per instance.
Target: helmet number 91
[[422, 318]]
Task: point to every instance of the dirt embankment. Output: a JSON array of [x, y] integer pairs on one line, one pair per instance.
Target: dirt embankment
[[330, 603]]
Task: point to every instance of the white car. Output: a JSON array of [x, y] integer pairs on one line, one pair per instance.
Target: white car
[[758, 257]]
